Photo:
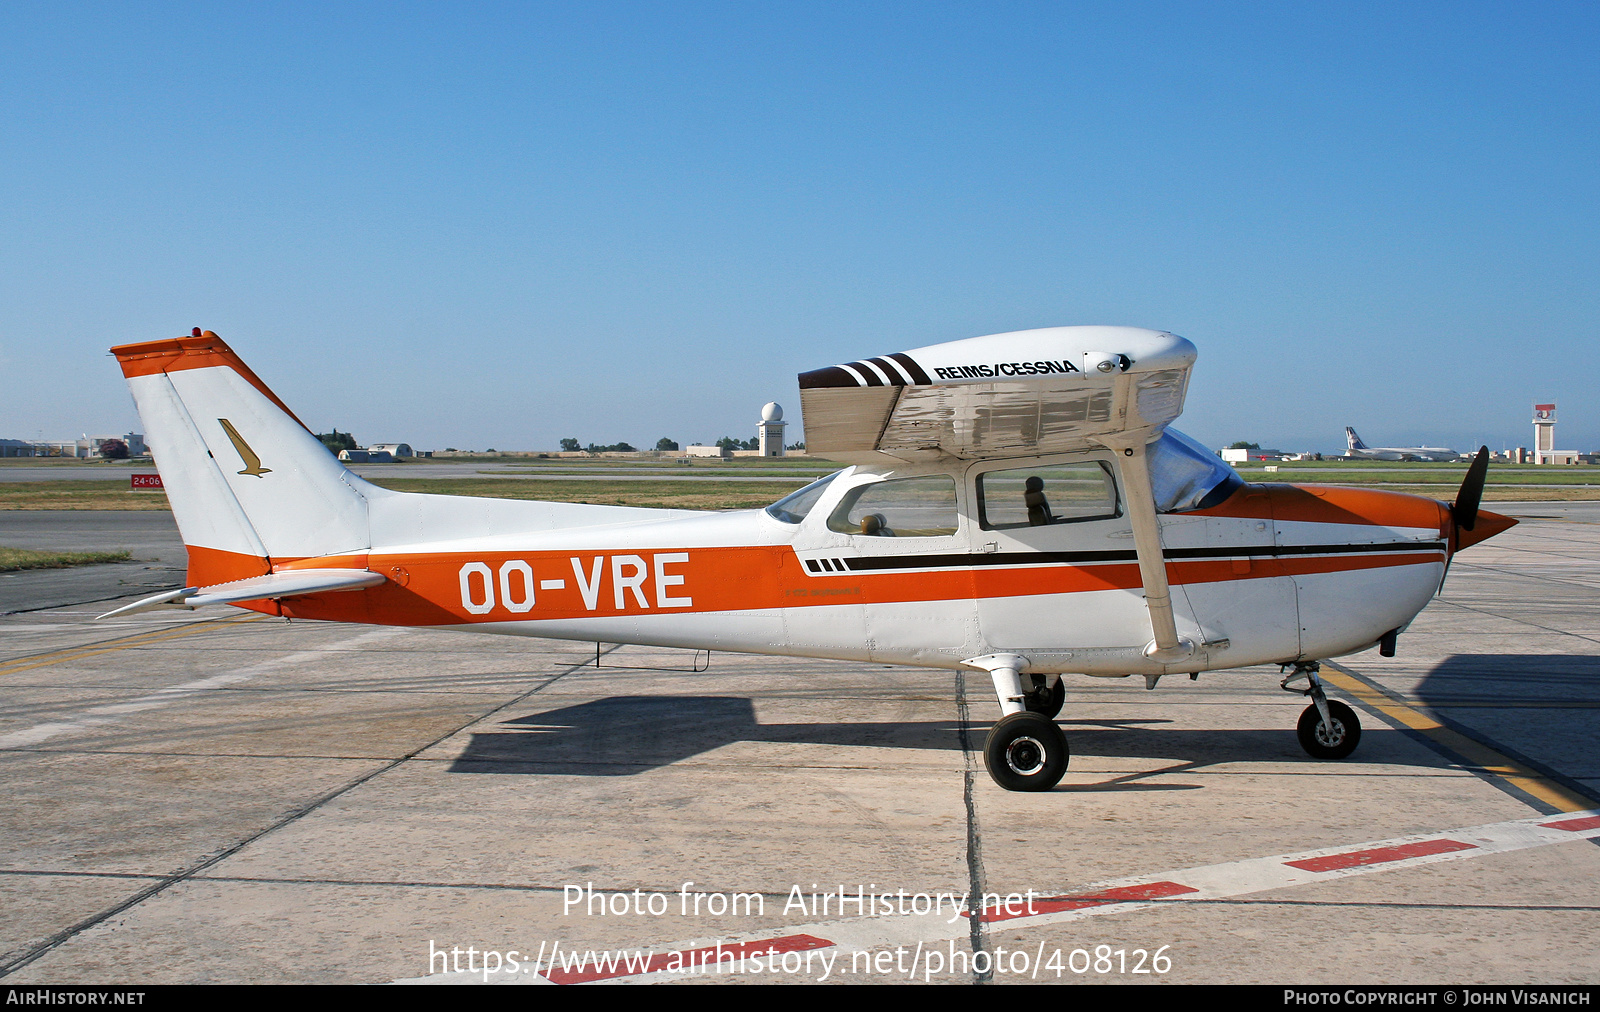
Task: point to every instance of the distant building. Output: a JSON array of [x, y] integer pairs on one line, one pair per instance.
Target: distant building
[[83, 447], [1544, 438], [63, 448], [1244, 456], [89, 446], [399, 451], [368, 456], [769, 432]]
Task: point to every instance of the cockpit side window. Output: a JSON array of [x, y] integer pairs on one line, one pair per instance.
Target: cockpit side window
[[792, 508], [899, 508], [1039, 496]]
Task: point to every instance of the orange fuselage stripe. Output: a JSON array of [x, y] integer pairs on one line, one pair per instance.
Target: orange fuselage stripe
[[427, 590]]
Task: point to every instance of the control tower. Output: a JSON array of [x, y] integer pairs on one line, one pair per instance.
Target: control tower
[[1544, 433]]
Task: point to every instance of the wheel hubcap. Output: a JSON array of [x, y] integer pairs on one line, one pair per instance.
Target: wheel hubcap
[[1330, 737], [1025, 756]]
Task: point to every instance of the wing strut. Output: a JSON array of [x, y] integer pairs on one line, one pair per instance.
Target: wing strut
[[1133, 461]]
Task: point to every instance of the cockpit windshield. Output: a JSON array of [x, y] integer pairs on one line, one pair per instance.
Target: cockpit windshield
[[792, 508], [1187, 476]]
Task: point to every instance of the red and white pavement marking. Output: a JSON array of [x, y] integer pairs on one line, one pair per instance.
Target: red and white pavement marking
[[708, 957]]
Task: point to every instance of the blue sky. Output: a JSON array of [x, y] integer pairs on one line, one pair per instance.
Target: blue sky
[[497, 225]]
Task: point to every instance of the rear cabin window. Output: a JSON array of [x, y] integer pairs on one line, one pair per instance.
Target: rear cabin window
[[899, 508], [1043, 495]]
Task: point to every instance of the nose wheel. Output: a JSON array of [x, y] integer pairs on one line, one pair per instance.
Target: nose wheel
[[1026, 752], [1333, 738], [1328, 729]]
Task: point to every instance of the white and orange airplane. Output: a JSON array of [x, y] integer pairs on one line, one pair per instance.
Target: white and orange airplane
[[1014, 504]]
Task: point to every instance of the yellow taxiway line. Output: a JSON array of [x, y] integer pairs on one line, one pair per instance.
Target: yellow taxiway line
[[1475, 752], [136, 640]]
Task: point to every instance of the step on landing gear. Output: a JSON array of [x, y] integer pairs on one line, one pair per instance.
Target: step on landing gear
[[1328, 729], [1025, 750], [1046, 698]]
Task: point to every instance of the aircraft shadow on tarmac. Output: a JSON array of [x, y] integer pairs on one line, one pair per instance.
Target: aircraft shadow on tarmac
[[628, 735], [1544, 708], [1519, 680]]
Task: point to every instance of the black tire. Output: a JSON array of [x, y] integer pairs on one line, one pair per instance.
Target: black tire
[[1026, 752], [1321, 743], [1047, 702]]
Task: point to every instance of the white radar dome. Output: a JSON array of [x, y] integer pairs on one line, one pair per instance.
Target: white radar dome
[[773, 412]]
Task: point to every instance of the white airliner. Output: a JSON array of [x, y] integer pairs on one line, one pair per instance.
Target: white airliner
[[1356, 448], [1014, 504]]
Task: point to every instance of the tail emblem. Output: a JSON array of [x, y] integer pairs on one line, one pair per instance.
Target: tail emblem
[[252, 463]]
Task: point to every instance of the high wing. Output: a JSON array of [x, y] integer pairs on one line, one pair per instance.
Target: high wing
[[1054, 390]]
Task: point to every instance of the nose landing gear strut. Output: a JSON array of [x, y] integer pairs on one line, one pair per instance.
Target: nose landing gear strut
[[1328, 729]]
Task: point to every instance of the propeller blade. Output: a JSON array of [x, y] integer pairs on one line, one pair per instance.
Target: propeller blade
[[1465, 509], [1469, 524]]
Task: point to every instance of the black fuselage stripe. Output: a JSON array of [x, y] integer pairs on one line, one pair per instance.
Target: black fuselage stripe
[[963, 560]]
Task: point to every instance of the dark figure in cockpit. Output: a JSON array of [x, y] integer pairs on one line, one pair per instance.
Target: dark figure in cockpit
[[1038, 508]]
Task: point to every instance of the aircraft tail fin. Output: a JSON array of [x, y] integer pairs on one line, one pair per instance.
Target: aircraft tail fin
[[1353, 441], [249, 484]]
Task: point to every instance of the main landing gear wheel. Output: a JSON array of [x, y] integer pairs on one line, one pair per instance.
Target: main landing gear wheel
[[1026, 752], [1047, 700], [1323, 742]]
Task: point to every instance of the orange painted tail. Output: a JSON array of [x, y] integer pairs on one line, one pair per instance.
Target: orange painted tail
[[250, 486]]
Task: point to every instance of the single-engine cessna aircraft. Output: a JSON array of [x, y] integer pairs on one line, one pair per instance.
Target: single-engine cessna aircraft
[[1014, 504]]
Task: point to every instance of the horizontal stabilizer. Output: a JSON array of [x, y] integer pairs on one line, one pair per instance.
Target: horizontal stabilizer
[[291, 583]]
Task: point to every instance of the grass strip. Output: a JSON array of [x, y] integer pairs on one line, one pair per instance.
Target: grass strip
[[77, 495], [1391, 479], [687, 494], [683, 495], [12, 559]]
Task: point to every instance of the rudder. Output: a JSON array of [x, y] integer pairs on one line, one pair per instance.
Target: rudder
[[249, 484]]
